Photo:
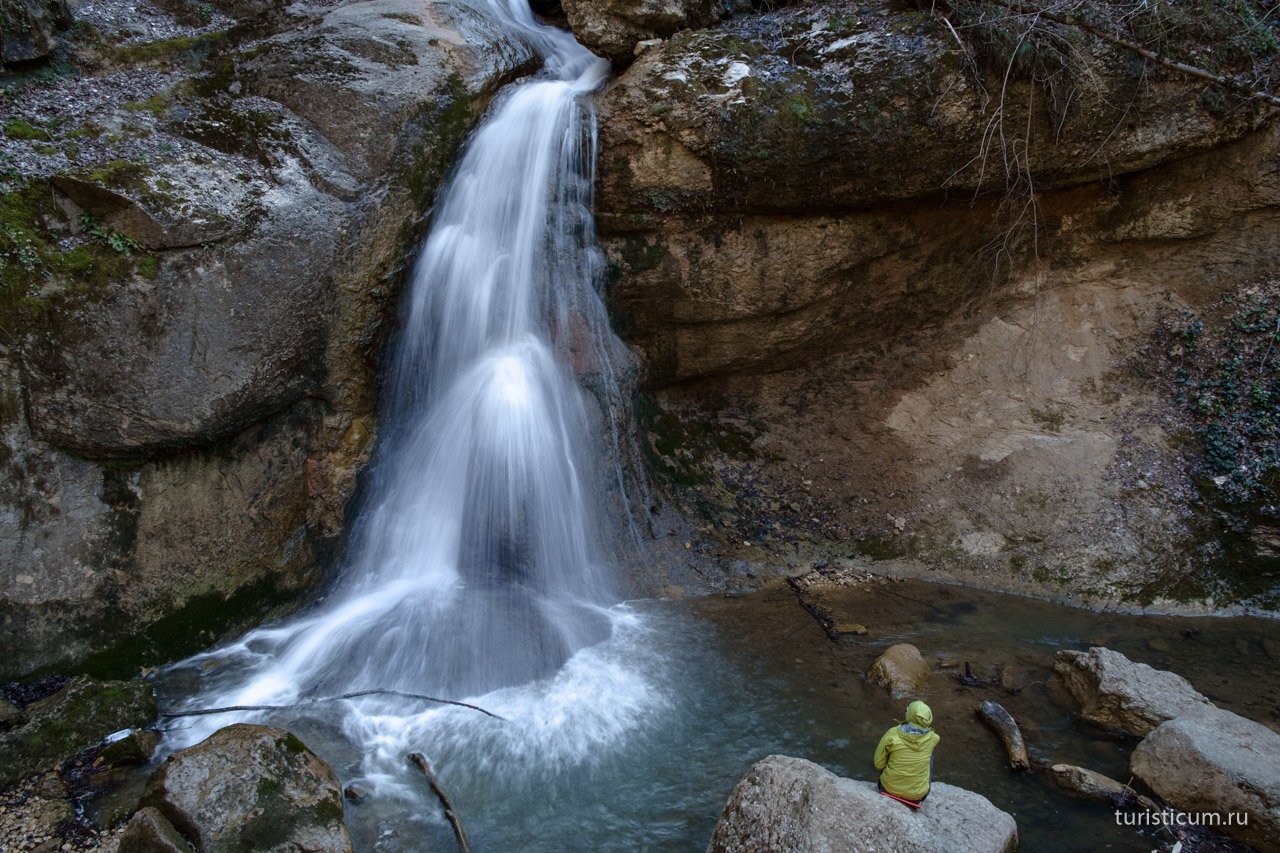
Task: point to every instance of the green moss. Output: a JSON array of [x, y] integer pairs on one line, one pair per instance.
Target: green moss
[[77, 716], [156, 104], [678, 450], [177, 50], [119, 173], [879, 547], [294, 744], [90, 130], [19, 129], [444, 127], [197, 624], [268, 788], [148, 267], [229, 128], [404, 17], [641, 255]]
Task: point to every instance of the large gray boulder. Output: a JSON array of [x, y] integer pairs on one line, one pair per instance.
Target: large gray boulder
[[29, 29], [1210, 760], [249, 787], [790, 805], [611, 28], [818, 107], [1121, 694]]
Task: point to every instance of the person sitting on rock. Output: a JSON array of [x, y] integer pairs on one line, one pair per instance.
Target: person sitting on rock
[[904, 755]]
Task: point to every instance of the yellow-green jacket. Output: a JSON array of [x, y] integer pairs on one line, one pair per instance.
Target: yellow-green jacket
[[904, 755]]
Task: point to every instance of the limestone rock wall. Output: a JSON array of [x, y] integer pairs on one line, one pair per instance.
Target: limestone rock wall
[[896, 309]]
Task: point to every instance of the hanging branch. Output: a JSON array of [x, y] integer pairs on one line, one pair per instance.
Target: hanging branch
[[449, 811], [206, 711], [1181, 67]]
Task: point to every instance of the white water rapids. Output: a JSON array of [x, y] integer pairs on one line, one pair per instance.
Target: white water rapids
[[476, 569]]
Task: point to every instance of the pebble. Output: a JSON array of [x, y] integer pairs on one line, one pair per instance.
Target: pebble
[[30, 822]]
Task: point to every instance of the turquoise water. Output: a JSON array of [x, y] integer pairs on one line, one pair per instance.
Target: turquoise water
[[637, 743]]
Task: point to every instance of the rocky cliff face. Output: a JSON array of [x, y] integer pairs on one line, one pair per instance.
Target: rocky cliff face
[[207, 213], [899, 306]]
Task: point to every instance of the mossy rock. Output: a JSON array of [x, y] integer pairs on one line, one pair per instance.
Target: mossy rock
[[76, 717], [247, 788]]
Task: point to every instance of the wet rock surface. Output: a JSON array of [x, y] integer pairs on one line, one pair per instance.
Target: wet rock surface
[[1115, 692], [78, 715], [247, 787], [789, 804], [206, 227]]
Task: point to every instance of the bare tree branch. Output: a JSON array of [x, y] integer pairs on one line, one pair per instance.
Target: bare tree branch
[[202, 712], [1181, 67], [449, 811]]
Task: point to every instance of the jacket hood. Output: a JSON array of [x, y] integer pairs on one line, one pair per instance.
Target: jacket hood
[[920, 715]]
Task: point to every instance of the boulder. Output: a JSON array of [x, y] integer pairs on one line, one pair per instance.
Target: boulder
[[1210, 760], [249, 787], [79, 715], [148, 832], [819, 106], [1121, 694], [135, 746], [793, 805], [10, 715], [612, 28], [29, 29], [900, 670]]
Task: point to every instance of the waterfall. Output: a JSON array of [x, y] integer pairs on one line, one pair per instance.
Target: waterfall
[[476, 564]]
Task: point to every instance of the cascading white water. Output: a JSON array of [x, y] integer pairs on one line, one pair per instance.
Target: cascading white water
[[476, 565]]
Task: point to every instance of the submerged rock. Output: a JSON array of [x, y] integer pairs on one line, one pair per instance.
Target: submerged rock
[[1210, 760], [249, 787], [900, 670], [1123, 695], [790, 805], [78, 716]]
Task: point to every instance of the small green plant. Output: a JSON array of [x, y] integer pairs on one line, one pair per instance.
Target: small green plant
[[118, 242], [1226, 373], [18, 248]]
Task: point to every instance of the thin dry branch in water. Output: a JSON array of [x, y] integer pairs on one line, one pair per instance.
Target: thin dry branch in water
[[449, 811], [201, 712]]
